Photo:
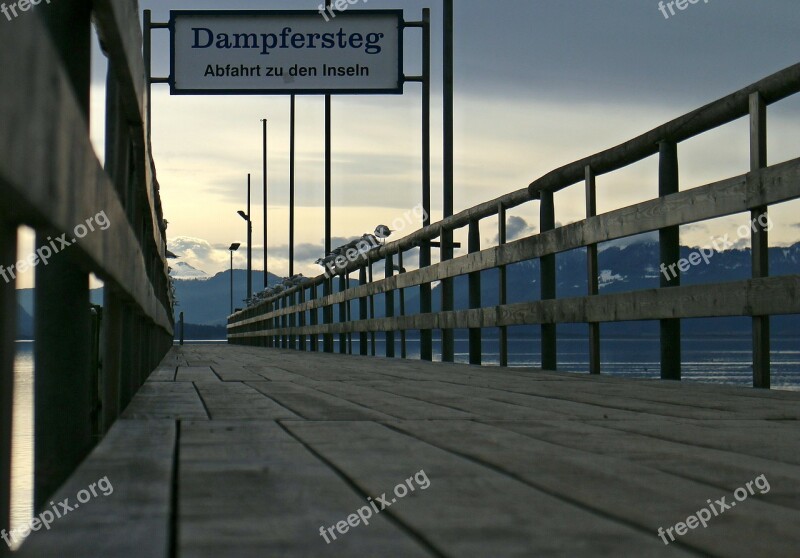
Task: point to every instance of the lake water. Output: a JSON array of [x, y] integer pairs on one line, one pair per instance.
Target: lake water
[[711, 360]]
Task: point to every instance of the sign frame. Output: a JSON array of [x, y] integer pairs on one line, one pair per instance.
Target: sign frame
[[398, 90]]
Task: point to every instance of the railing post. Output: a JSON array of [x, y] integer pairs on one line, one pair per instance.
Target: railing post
[[591, 272], [327, 316], [301, 316], [403, 353], [362, 313], [284, 322], [292, 320], [474, 241], [313, 318], [669, 248], [371, 311], [547, 271], [62, 382], [502, 286], [342, 315], [8, 332], [759, 225], [388, 298], [182, 328]]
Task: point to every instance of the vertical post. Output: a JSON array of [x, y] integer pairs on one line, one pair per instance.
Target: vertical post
[[425, 306], [291, 184], [112, 351], [8, 332], [448, 340], [147, 49], [362, 312], [403, 353], [313, 318], [669, 248], [302, 318], [327, 316], [63, 380], [503, 282], [371, 312], [182, 328], [264, 195], [231, 281], [342, 314], [249, 244], [591, 271], [328, 174], [547, 273], [760, 226], [292, 319], [474, 280], [389, 303]]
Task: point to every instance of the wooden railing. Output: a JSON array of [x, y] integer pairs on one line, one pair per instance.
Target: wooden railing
[[291, 319], [51, 180]]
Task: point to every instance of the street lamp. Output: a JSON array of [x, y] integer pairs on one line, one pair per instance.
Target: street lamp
[[246, 217], [233, 248]]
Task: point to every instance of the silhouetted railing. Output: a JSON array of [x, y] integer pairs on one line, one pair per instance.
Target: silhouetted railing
[[88, 218], [291, 319]]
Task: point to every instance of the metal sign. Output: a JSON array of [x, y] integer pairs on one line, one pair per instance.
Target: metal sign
[[284, 52]]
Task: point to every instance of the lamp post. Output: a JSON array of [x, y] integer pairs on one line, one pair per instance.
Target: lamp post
[[246, 217], [233, 248], [264, 170]]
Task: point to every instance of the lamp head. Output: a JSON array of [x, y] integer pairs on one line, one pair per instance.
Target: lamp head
[[234, 246], [243, 215]]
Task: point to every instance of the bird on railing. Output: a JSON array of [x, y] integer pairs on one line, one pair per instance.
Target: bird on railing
[[383, 232]]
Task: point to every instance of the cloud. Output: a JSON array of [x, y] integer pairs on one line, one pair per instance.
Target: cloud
[[516, 227]]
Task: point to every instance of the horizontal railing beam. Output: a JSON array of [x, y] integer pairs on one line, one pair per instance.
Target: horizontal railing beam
[[740, 194], [713, 115], [50, 174], [768, 296]]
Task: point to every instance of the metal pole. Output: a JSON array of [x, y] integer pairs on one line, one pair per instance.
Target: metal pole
[[328, 172], [425, 306], [249, 244], [291, 184], [231, 281], [264, 171], [448, 345], [147, 30]]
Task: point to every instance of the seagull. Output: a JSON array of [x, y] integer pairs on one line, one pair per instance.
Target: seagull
[[382, 232]]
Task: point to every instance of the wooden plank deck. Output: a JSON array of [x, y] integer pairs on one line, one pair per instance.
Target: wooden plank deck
[[239, 451]]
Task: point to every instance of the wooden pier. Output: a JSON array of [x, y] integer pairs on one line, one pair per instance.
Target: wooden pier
[[243, 451]]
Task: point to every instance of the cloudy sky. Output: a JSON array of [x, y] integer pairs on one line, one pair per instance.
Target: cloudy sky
[[538, 84]]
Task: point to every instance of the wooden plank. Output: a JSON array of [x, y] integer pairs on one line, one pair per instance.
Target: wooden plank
[[497, 514], [275, 497], [690, 460], [616, 488], [234, 373], [166, 400], [136, 457], [312, 404], [196, 374], [237, 401]]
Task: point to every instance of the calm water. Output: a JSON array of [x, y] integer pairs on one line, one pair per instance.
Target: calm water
[[22, 445], [711, 360]]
